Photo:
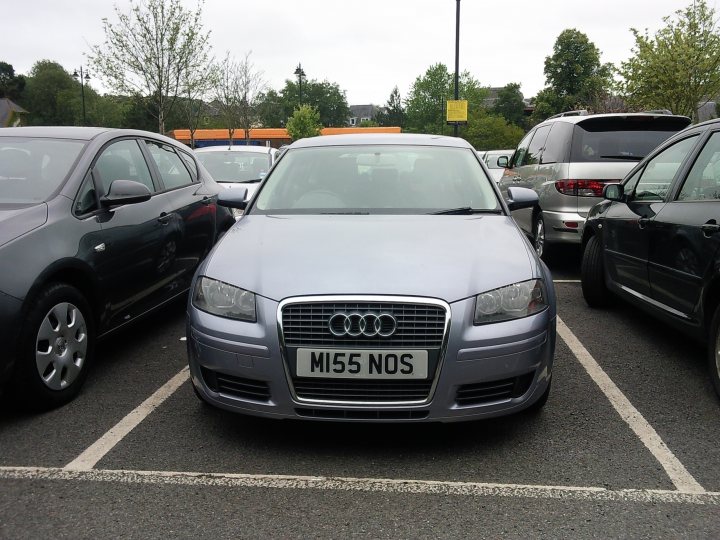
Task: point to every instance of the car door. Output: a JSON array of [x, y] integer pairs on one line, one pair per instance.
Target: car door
[[127, 257], [626, 224], [192, 211], [685, 235]]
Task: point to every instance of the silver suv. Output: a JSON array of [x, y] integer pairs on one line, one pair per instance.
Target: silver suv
[[567, 160]]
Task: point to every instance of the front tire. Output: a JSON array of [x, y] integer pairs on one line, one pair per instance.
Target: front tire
[[714, 351], [592, 275], [56, 348]]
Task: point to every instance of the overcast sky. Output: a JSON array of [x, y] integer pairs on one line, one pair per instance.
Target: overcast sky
[[366, 46]]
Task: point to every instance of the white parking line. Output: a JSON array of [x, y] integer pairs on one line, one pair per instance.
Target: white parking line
[[677, 472], [89, 458], [381, 485]]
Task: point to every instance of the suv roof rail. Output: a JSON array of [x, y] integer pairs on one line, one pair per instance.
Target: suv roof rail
[[580, 112]]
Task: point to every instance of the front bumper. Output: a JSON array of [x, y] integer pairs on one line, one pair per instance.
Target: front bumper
[[242, 367]]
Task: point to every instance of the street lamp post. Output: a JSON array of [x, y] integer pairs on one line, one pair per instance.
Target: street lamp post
[[300, 74], [457, 57], [83, 78]]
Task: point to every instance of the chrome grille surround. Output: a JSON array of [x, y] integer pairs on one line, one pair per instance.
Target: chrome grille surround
[[429, 308]]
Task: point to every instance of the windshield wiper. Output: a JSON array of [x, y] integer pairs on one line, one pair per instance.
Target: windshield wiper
[[466, 210], [629, 158]]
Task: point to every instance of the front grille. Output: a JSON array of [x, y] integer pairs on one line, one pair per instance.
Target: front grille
[[236, 386], [350, 414], [486, 392], [418, 325], [361, 390]]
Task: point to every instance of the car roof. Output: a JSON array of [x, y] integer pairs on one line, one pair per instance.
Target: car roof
[[82, 133], [577, 119], [499, 152], [236, 148], [361, 139]]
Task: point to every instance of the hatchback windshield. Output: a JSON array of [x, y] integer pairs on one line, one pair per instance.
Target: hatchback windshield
[[235, 166], [32, 169], [377, 180]]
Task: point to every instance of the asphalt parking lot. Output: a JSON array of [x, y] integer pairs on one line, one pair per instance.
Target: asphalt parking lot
[[627, 446]]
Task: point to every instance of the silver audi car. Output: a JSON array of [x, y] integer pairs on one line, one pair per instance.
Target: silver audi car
[[374, 278]]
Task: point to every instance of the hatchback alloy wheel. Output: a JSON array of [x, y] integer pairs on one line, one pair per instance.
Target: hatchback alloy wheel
[[539, 235], [61, 346]]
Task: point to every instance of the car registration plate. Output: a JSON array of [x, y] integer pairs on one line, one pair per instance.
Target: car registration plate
[[362, 364]]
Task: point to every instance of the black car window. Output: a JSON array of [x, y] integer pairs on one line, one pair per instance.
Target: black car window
[[536, 145], [173, 172], [703, 181], [86, 201], [522, 149], [660, 171], [122, 160], [557, 145], [190, 162]]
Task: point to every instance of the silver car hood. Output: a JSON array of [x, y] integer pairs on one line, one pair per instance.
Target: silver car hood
[[440, 256]]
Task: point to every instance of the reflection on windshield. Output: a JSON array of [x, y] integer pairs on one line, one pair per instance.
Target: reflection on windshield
[[235, 166], [32, 169], [376, 179]]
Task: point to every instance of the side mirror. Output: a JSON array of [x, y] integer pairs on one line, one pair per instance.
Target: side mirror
[[125, 192], [519, 197], [614, 192], [235, 197], [503, 162]]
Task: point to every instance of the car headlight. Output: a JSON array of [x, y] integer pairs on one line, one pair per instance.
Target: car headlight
[[224, 300], [512, 302]]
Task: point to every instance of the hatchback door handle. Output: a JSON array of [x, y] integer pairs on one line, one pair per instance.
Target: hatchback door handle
[[164, 219], [710, 228], [643, 222], [207, 200]]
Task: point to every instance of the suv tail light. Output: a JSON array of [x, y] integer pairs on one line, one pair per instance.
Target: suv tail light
[[582, 188]]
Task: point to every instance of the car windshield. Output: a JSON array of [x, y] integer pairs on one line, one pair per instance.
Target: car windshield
[[235, 166], [377, 180], [628, 138], [31, 169]]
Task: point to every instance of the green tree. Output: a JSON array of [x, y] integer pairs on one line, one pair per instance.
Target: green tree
[[368, 123], [147, 51], [510, 104], [429, 93], [51, 95], [305, 122], [274, 108], [491, 131], [11, 85], [393, 114], [575, 76], [679, 67]]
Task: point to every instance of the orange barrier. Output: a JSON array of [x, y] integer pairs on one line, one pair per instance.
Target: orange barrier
[[276, 135]]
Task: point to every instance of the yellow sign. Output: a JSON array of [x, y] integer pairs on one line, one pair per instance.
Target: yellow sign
[[457, 110]]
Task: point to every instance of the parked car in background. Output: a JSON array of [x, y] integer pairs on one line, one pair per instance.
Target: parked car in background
[[491, 158], [568, 160], [237, 165], [97, 227], [374, 278], [655, 239]]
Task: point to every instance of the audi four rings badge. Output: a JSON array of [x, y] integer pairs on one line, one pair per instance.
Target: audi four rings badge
[[362, 324]]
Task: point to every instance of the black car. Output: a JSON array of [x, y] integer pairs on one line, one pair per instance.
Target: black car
[[97, 227], [655, 239]]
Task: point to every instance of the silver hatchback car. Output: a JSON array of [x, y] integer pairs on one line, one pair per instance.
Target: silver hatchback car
[[568, 160], [374, 278]]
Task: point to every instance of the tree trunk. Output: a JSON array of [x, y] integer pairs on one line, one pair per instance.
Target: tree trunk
[[230, 133]]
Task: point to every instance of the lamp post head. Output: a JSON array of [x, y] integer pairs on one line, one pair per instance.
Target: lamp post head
[[75, 75]]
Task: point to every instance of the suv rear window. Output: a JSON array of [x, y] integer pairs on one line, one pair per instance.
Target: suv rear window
[[622, 138]]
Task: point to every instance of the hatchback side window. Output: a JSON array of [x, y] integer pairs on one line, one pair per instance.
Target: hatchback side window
[[522, 149], [660, 171], [703, 180], [536, 145], [557, 145], [172, 170], [122, 160], [86, 200]]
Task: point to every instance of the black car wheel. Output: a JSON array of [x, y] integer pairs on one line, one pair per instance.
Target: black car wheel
[[714, 351], [592, 274], [56, 347]]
